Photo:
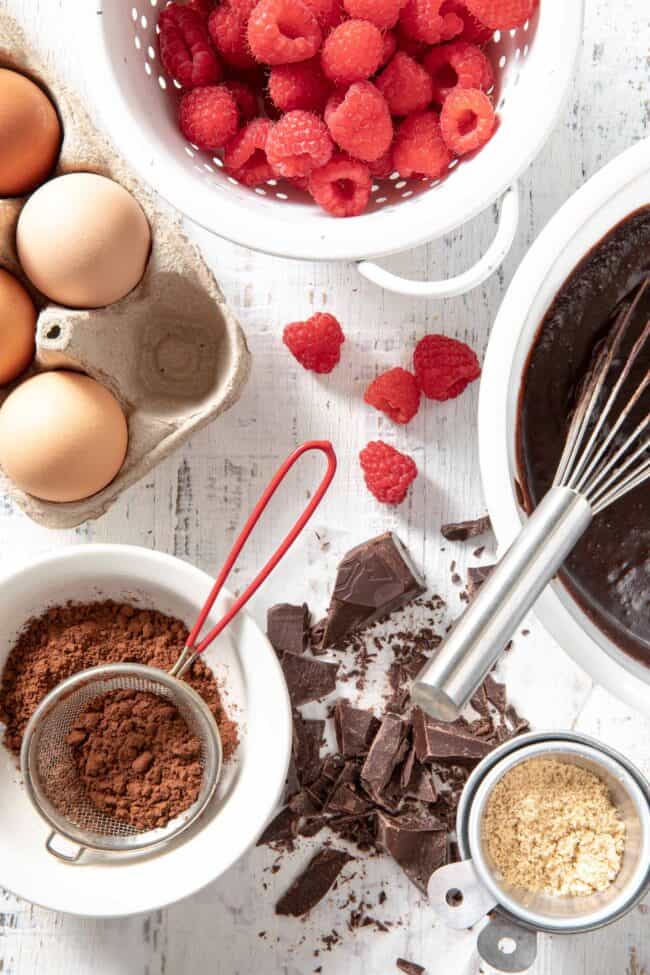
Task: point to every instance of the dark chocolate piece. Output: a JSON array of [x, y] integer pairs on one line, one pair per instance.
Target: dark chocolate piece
[[281, 830], [355, 728], [313, 883], [409, 967], [307, 743], [346, 800], [417, 843], [308, 679], [287, 627], [416, 781], [384, 755], [496, 693], [476, 576], [460, 531], [316, 637], [374, 579], [438, 740]]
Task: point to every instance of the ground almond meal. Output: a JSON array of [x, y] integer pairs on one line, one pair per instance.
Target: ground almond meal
[[552, 828]]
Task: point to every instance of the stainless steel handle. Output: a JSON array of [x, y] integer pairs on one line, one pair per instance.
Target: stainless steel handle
[[445, 685]]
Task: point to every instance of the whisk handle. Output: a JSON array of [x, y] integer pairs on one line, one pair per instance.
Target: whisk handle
[[448, 681]]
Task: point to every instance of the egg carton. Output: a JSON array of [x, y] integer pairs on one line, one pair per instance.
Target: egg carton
[[171, 351]]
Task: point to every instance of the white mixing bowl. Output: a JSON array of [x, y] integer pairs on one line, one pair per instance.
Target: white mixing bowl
[[615, 192], [252, 782]]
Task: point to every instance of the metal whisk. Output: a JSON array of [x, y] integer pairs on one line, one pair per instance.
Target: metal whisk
[[606, 455]]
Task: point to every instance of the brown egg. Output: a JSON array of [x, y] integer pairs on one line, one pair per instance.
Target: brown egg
[[63, 436], [83, 240], [30, 134], [17, 327]]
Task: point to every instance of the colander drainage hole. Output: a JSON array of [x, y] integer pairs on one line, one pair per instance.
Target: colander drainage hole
[[507, 946], [454, 897]]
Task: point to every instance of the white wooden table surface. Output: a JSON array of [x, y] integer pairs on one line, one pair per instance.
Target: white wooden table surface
[[192, 504]]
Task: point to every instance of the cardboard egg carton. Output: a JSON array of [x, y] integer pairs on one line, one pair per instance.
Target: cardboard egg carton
[[171, 351]]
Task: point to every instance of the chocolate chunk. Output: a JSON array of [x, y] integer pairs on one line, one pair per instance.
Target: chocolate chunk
[[307, 742], [460, 531], [345, 799], [281, 830], [287, 627], [438, 740], [409, 967], [313, 883], [476, 576], [355, 728], [308, 679], [496, 693], [316, 637], [374, 579], [416, 781], [384, 755], [417, 843]]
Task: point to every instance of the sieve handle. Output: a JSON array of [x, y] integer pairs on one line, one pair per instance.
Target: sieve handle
[[468, 280], [191, 648], [69, 852]]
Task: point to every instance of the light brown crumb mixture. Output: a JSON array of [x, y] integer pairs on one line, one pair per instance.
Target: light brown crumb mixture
[[552, 828]]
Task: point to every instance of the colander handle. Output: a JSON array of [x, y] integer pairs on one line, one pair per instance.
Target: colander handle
[[468, 280], [191, 648]]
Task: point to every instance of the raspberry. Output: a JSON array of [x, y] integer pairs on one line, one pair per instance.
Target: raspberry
[[283, 31], [352, 52], [414, 49], [316, 343], [395, 393], [405, 85], [467, 120], [390, 46], [301, 85], [227, 29], [298, 144], [328, 13], [245, 154], [474, 32], [208, 116], [501, 14], [387, 472], [382, 168], [419, 149], [202, 7], [245, 97], [382, 13], [185, 49], [359, 121], [342, 187], [444, 366], [423, 21], [457, 65]]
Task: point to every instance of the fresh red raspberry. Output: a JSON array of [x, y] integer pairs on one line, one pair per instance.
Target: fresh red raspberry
[[302, 85], [382, 13], [395, 393], [359, 121], [423, 21], [283, 31], [185, 49], [316, 343], [405, 85], [245, 154], [298, 144], [382, 168], [501, 14], [352, 52], [243, 7], [342, 187], [387, 472], [414, 49], [390, 46], [419, 149], [467, 120], [202, 7], [474, 32], [227, 29], [329, 13], [245, 97], [208, 116], [444, 367], [457, 65]]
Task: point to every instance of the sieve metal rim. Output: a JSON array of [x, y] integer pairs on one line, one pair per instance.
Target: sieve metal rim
[[148, 839], [492, 769]]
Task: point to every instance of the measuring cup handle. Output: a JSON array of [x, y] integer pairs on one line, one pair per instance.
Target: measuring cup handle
[[326, 448]]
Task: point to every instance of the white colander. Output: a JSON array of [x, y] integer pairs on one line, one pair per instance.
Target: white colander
[[533, 67]]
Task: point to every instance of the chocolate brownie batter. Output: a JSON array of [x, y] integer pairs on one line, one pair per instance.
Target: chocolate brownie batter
[[609, 570]]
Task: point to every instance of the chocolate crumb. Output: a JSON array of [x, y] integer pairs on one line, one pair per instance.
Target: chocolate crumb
[[409, 967], [460, 531]]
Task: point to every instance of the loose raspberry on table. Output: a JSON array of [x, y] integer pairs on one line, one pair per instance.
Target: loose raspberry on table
[[299, 143], [227, 29], [395, 393], [185, 49], [467, 120], [387, 472], [316, 343], [382, 13], [245, 97], [501, 14], [329, 13], [352, 52], [302, 85], [422, 20], [245, 154], [342, 187], [283, 31], [419, 149], [444, 367], [457, 65], [208, 116], [405, 85], [359, 121], [474, 32]]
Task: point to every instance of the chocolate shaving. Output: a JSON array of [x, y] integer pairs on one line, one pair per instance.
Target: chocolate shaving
[[287, 628], [496, 693], [313, 883], [308, 679], [460, 531], [476, 576], [409, 967]]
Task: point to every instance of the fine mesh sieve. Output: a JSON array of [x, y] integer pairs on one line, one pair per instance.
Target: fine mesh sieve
[[47, 759]]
